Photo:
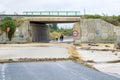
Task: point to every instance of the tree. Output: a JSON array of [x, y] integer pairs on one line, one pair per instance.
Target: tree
[[119, 18], [9, 26], [96, 16], [53, 27], [19, 21]]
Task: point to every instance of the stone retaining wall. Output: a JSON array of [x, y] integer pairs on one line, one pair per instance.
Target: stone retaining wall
[[97, 30]]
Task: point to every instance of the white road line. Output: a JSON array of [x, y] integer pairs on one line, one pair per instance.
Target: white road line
[[3, 72], [3, 68], [3, 76]]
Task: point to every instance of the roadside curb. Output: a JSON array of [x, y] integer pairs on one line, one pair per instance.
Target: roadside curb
[[32, 60]]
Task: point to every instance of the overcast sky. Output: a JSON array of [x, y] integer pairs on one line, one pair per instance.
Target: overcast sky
[[110, 7]]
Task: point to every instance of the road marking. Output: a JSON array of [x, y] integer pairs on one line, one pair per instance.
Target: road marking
[[3, 68], [3, 76], [3, 72]]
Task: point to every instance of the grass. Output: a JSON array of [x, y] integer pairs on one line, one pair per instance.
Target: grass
[[41, 59], [114, 61], [77, 58], [73, 53], [90, 61], [33, 60], [6, 60]]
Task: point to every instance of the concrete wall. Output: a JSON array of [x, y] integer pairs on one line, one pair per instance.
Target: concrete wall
[[40, 32], [3, 37], [77, 28], [32, 32], [22, 33], [29, 32], [117, 32], [96, 30]]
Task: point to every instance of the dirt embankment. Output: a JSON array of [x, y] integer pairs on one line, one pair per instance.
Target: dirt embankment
[[75, 56]]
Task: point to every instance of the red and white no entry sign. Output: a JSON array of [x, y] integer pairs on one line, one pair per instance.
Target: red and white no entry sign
[[75, 33]]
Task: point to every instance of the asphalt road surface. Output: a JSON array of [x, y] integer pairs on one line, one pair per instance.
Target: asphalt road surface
[[33, 52], [60, 70]]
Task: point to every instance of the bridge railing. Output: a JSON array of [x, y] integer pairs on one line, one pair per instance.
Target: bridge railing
[[53, 13]]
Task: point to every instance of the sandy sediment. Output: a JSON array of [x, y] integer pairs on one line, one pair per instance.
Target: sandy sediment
[[104, 57]]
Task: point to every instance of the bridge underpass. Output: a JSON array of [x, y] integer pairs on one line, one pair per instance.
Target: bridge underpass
[[41, 31], [35, 27]]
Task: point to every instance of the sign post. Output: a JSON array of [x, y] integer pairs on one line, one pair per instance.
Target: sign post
[[8, 30], [75, 34]]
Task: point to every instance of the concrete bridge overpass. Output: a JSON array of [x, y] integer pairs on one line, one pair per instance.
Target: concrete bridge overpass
[[40, 31], [53, 19], [35, 27]]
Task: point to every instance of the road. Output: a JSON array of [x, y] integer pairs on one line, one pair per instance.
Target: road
[[60, 70], [8, 52]]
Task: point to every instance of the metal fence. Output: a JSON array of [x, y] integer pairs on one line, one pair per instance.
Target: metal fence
[[53, 13]]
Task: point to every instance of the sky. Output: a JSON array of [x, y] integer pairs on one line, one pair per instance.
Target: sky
[[109, 7]]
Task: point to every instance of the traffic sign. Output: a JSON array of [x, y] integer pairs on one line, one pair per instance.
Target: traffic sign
[[75, 33], [8, 29]]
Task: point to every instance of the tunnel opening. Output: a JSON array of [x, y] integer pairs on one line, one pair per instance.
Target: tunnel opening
[[58, 29], [40, 32]]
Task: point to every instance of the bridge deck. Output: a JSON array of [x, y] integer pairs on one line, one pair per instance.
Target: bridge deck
[[21, 15], [46, 14]]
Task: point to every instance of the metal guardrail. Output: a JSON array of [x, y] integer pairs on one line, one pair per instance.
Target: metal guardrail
[[53, 13]]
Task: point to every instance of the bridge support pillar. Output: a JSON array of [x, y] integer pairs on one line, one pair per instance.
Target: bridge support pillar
[[78, 29], [40, 32]]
